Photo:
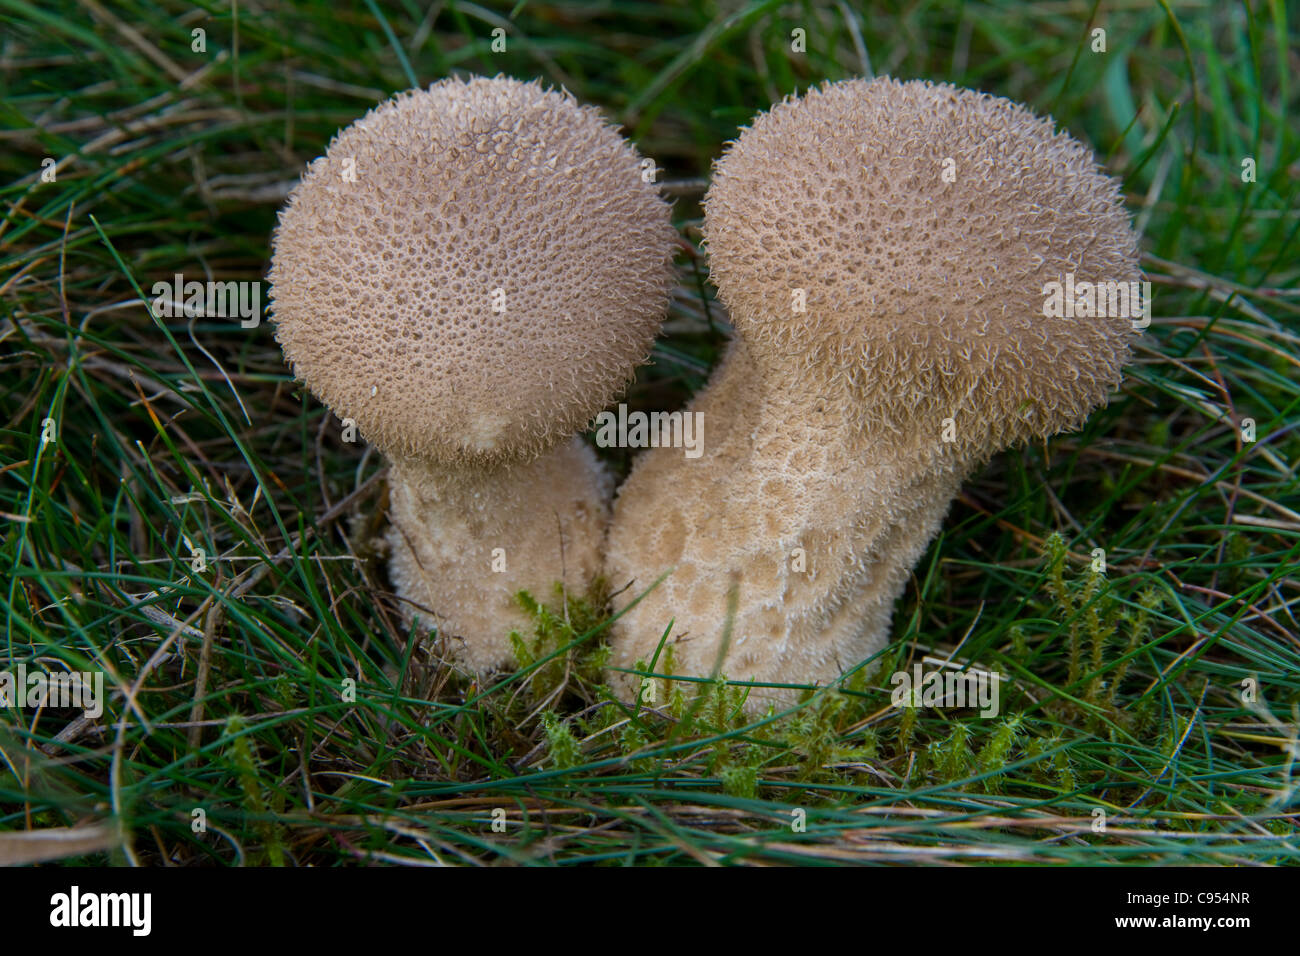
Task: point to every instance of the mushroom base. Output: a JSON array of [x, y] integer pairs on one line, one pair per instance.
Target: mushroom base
[[464, 544], [815, 527]]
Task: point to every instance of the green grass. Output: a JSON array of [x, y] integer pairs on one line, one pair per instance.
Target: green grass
[[230, 689]]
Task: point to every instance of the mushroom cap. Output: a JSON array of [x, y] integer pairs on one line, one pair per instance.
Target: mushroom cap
[[471, 271], [924, 297]]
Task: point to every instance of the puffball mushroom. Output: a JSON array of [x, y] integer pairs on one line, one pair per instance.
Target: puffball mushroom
[[469, 274], [883, 249]]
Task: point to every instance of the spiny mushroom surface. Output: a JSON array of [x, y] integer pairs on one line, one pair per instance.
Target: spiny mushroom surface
[[883, 249], [469, 274]]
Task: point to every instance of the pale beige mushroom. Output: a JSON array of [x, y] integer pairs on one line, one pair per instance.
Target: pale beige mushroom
[[469, 274], [883, 249]]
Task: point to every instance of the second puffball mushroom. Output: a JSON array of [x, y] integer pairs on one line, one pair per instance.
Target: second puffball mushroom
[[469, 274], [883, 249]]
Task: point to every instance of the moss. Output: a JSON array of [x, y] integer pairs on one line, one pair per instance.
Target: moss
[[997, 751], [240, 753], [563, 746]]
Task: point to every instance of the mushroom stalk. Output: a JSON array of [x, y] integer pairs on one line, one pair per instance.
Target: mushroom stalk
[[816, 524], [883, 249], [463, 543]]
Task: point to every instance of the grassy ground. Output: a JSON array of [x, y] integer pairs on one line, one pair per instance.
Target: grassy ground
[[1126, 696]]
